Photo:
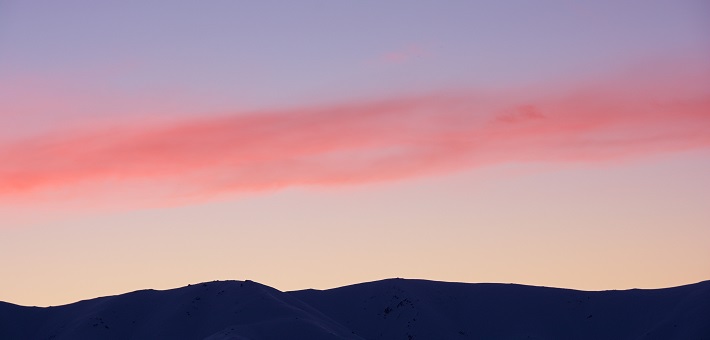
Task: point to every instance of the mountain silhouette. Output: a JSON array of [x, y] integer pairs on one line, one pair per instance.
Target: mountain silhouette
[[387, 309]]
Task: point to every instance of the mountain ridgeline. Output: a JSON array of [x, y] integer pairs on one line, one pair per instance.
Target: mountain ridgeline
[[387, 309]]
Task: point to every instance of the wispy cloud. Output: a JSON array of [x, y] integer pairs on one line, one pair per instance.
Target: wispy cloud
[[352, 143], [402, 55]]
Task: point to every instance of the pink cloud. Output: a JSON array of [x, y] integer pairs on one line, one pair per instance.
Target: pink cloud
[[353, 143]]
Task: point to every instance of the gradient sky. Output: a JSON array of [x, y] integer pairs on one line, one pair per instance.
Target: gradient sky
[[313, 144]]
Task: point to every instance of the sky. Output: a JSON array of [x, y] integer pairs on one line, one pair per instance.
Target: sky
[[314, 144]]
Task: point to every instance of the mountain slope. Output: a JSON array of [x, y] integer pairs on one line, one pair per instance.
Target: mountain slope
[[215, 310], [388, 309], [418, 309]]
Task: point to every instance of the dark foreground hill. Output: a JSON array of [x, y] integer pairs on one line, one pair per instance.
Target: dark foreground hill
[[388, 309]]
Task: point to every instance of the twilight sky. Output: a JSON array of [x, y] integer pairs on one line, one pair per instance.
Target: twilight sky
[[320, 143]]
